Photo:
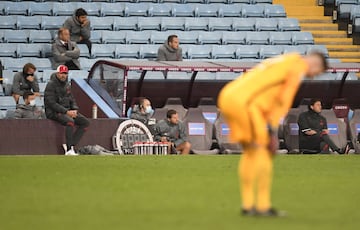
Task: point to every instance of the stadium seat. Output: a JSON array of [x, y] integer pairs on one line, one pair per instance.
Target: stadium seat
[[243, 24], [274, 10], [270, 51], [266, 24], [84, 51], [114, 37], [336, 128], [302, 38], [224, 51], [247, 51], [239, 1], [206, 10], [200, 132], [196, 24], [42, 86], [291, 130], [16, 8], [92, 9], [86, 63], [40, 63], [112, 9], [176, 104], [301, 49], [354, 125], [127, 51], [29, 22], [261, 1], [7, 103], [40, 8], [224, 24], [208, 108], [230, 10], [233, 38], [133, 37], [105, 23], [222, 133], [320, 48], [136, 9], [8, 78], [47, 75], [1, 36], [260, 38], [81, 74], [96, 36], [148, 23], [162, 9], [188, 37], [64, 9], [40, 36], [103, 50], [199, 52], [288, 24], [159, 114], [148, 51], [29, 50], [52, 23], [171, 23], [125, 23], [8, 22], [158, 37], [252, 11], [280, 38], [8, 50], [209, 37], [183, 10], [16, 36]]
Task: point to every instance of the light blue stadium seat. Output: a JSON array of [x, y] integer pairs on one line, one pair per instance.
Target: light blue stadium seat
[[148, 51], [302, 38], [118, 37], [8, 22], [266, 24], [172, 23], [40, 8], [158, 37], [210, 37], [40, 36], [243, 24], [2, 8], [196, 23], [288, 24], [86, 63], [64, 8], [40, 63], [16, 8], [319, 48], [84, 51], [223, 51], [1, 36], [92, 9], [46, 51], [270, 51], [127, 51], [220, 24], [148, 23], [301, 49], [194, 1], [247, 51], [252, 11], [280, 38], [29, 50], [172, 1], [206, 10], [239, 1], [233, 38], [274, 10], [197, 52], [261, 1], [52, 23], [339, 2], [186, 37], [136, 9], [227, 75], [217, 1], [355, 13], [7, 103], [17, 36], [356, 24], [183, 10], [230, 10], [102, 23], [80, 74], [8, 50], [112, 9], [259, 38], [47, 75], [163, 9], [125, 23], [96, 36], [29, 22], [103, 50], [134, 37]]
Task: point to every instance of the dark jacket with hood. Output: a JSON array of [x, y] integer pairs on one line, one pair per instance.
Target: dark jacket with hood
[[76, 29], [167, 53]]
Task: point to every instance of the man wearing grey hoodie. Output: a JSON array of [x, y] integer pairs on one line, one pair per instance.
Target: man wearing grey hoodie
[[170, 50], [79, 27]]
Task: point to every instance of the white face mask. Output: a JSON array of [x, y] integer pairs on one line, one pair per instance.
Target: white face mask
[[148, 109], [32, 102]]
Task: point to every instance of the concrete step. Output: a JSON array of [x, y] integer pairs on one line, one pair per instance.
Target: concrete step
[[350, 59], [319, 26], [336, 54], [304, 11], [328, 33], [333, 41], [314, 19], [341, 48]]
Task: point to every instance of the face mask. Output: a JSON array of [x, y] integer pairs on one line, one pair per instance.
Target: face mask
[[148, 110], [32, 103]]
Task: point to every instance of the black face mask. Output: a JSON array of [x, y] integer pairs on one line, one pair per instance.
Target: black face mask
[[29, 74]]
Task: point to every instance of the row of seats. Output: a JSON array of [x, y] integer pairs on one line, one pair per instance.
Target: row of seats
[[162, 1], [348, 11], [143, 9], [154, 23], [157, 37]]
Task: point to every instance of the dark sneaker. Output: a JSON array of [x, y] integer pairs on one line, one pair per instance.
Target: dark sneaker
[[246, 212], [346, 149], [271, 212]]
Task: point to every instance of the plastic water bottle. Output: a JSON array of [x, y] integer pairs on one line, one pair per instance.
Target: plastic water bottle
[[94, 111]]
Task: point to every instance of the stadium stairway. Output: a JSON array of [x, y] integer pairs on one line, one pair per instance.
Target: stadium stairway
[[324, 31]]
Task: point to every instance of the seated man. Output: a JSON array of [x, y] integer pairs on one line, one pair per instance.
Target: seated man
[[173, 131], [142, 111], [65, 51], [170, 50], [79, 27], [25, 81], [60, 106], [313, 132], [29, 109]]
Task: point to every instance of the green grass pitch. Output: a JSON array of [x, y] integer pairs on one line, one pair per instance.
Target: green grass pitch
[[172, 192]]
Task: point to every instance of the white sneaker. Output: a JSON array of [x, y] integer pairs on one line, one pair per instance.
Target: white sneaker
[[71, 152], [64, 147]]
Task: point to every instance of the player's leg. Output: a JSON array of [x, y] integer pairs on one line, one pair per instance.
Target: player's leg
[[82, 123], [184, 148]]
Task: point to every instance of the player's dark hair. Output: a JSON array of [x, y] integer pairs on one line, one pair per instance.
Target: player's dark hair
[[321, 56], [170, 112], [171, 38], [27, 94], [28, 66], [80, 12], [313, 101]]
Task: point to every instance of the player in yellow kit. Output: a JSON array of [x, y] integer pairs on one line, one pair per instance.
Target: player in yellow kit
[[253, 105]]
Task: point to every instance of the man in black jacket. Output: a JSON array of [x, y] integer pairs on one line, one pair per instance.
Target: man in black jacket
[[313, 131], [61, 107]]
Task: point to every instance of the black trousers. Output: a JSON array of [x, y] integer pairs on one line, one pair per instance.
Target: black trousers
[[72, 138], [323, 143], [71, 65], [87, 42]]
